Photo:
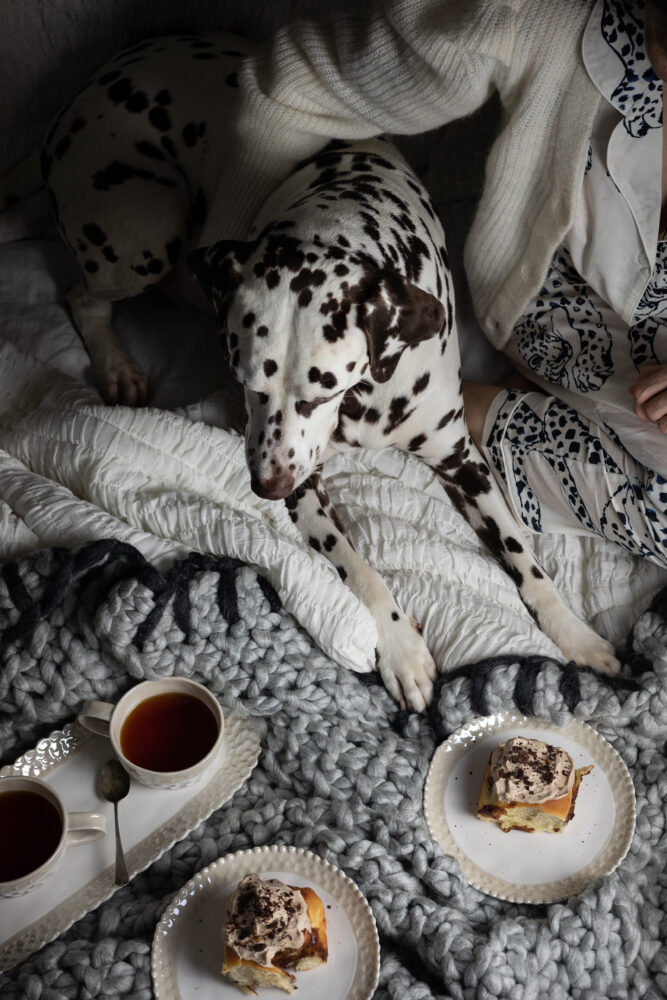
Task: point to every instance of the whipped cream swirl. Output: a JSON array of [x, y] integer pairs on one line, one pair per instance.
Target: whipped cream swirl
[[265, 917], [530, 771]]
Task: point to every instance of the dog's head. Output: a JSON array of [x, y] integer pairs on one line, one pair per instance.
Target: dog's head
[[303, 323]]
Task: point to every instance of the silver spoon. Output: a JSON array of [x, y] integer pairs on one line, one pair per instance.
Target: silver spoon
[[114, 784]]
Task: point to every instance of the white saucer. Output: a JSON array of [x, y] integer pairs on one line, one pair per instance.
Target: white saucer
[[188, 949], [524, 867]]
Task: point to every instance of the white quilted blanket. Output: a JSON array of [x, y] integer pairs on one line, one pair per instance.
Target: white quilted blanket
[[72, 469]]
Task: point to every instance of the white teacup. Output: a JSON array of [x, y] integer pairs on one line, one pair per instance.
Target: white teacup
[[36, 831], [166, 733]]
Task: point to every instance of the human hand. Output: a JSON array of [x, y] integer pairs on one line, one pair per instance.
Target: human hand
[[650, 392]]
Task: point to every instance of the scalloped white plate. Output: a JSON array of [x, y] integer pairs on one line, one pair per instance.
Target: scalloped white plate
[[524, 867], [151, 821], [188, 949]]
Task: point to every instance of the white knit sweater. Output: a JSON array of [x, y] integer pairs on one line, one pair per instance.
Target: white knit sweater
[[408, 66]]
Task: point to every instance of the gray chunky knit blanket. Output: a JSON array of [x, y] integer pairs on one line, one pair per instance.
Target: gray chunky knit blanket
[[341, 772]]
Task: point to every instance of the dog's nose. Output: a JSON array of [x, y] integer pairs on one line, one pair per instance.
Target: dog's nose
[[276, 487]]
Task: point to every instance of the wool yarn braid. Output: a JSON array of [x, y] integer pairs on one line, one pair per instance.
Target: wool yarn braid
[[341, 773]]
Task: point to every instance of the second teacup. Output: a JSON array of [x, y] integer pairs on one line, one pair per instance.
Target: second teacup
[[166, 733], [35, 831]]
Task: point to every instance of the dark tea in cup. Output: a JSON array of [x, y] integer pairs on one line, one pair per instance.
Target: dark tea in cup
[[36, 830], [30, 830], [168, 732]]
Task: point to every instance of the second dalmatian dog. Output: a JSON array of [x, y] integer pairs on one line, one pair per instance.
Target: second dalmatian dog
[[336, 313]]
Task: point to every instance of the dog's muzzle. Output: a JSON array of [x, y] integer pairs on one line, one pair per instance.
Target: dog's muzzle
[[278, 486]]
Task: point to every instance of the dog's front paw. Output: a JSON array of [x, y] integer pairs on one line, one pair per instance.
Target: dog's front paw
[[588, 649], [405, 664], [123, 382]]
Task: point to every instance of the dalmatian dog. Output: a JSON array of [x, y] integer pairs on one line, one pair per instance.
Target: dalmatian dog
[[336, 313]]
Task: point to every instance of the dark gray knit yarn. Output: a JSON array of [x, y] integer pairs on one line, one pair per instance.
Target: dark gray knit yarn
[[340, 772]]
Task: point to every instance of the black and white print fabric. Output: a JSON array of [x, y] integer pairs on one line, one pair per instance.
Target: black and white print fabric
[[563, 462]]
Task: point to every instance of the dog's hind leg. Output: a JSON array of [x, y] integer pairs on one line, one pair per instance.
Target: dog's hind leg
[[131, 243], [404, 662], [119, 378], [472, 489]]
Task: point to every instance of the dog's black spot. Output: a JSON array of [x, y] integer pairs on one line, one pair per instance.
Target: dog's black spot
[[173, 249], [350, 366], [137, 102], [513, 545], [314, 374], [168, 145], [190, 134], [61, 147], [199, 207], [148, 149], [398, 413], [416, 442], [118, 173], [304, 408], [120, 91], [473, 478], [159, 118], [91, 266], [305, 297], [328, 380], [94, 234], [394, 616], [372, 415], [262, 331], [270, 367], [233, 340], [329, 542], [163, 97], [108, 77], [248, 320], [307, 278], [342, 572], [536, 573], [445, 420], [109, 254], [421, 383]]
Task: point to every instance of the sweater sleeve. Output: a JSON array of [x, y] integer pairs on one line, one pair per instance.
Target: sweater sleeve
[[403, 67]]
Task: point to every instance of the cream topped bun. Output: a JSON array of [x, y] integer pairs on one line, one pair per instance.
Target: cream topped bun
[[265, 917], [530, 771]]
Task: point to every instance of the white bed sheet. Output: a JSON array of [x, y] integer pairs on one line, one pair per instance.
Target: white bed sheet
[[170, 478]]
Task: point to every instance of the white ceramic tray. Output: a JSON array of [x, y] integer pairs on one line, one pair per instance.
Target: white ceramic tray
[[530, 867], [151, 821], [188, 949]]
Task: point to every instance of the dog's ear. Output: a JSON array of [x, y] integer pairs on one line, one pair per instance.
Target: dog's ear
[[395, 314], [218, 271]]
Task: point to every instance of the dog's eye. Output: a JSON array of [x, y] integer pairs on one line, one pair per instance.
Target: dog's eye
[[304, 407]]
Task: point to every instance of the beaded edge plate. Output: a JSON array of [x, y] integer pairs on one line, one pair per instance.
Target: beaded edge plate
[[449, 755], [208, 884], [241, 754]]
